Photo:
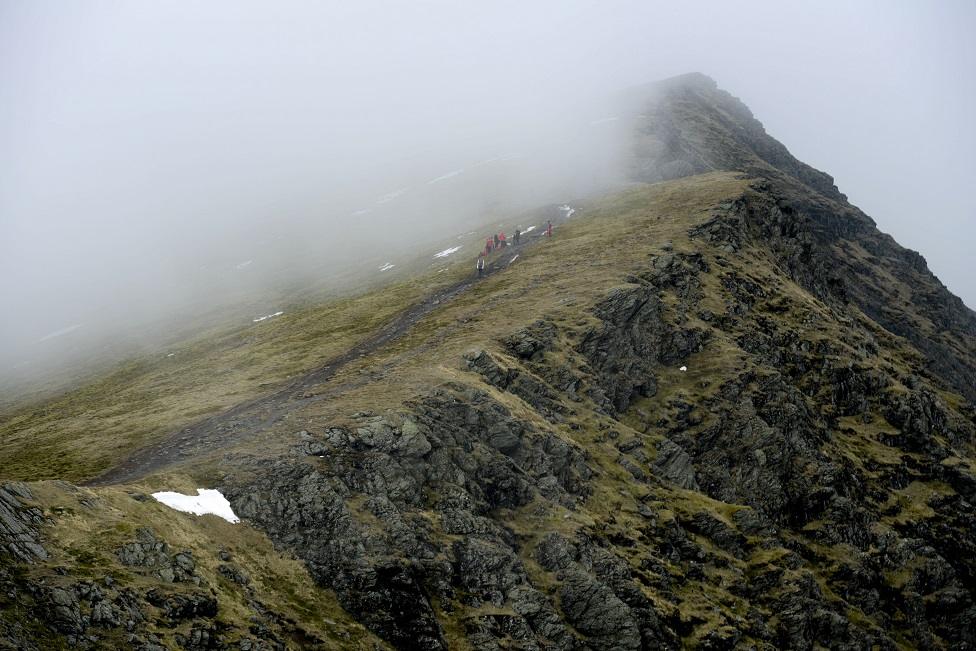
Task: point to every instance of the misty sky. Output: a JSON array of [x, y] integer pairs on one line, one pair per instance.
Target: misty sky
[[148, 148]]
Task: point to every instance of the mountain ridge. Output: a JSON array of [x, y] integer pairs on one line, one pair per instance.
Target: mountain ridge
[[688, 104], [719, 410]]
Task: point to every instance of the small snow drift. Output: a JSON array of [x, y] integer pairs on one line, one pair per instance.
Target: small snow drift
[[267, 316], [683, 369], [205, 501], [569, 210], [528, 230], [387, 198], [444, 177], [387, 266], [61, 332], [244, 264], [603, 121], [447, 252]]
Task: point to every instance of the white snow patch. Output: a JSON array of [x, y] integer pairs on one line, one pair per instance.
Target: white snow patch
[[387, 198], [360, 212], [513, 259], [244, 264], [603, 121], [502, 158], [528, 230], [205, 501], [61, 332], [447, 252], [267, 316], [444, 177], [569, 210], [387, 266], [171, 355], [683, 369], [487, 161]]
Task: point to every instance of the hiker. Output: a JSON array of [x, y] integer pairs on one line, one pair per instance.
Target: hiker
[[501, 238], [549, 229], [518, 233], [481, 265], [496, 240], [488, 246]]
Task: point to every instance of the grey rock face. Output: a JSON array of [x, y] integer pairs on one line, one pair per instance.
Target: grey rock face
[[19, 523], [531, 342], [233, 573], [148, 551], [598, 613], [599, 597], [487, 571], [178, 606], [635, 338], [65, 612], [530, 389], [458, 453], [674, 464]]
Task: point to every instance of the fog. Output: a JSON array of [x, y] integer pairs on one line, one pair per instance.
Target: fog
[[161, 162]]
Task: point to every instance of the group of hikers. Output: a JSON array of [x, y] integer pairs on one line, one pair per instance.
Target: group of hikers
[[498, 241]]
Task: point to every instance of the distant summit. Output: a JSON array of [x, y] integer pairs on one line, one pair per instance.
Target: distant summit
[[687, 125]]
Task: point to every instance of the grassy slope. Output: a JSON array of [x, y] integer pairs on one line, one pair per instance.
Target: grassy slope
[[87, 528], [81, 433], [78, 434], [559, 280]]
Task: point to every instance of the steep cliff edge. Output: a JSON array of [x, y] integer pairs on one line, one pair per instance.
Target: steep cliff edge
[[687, 125]]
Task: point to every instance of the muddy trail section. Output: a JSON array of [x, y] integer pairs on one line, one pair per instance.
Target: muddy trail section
[[245, 419]]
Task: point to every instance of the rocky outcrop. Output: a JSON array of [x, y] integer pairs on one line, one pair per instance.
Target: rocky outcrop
[[458, 453], [688, 125], [141, 594], [148, 551], [635, 338], [19, 523]]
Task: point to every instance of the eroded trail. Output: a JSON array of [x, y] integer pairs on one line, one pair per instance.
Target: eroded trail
[[250, 417]]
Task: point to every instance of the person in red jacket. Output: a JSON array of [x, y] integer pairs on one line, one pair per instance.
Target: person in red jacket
[[501, 239], [549, 229], [488, 246]]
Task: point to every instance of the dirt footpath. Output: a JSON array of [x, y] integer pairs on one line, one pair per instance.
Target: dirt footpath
[[250, 417]]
